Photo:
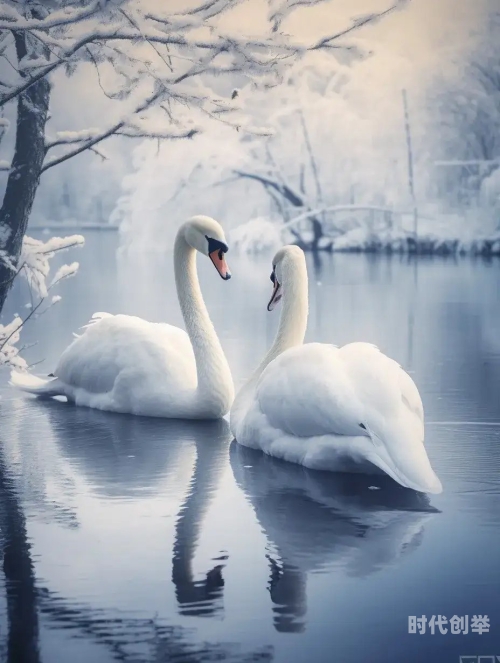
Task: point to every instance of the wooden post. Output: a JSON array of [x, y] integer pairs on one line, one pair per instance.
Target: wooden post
[[410, 164]]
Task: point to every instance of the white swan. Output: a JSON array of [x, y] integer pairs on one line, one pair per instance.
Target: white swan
[[122, 363], [338, 409]]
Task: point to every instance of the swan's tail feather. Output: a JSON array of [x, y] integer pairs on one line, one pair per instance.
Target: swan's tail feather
[[399, 451], [101, 315], [34, 385]]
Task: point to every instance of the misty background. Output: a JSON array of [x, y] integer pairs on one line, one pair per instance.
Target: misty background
[[342, 109]]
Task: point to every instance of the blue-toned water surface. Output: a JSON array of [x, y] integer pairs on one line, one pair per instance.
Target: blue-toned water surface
[[133, 539]]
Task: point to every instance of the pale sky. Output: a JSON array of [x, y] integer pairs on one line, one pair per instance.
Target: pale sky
[[414, 40], [420, 31]]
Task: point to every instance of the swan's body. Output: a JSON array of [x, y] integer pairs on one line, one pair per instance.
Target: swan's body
[[329, 408], [122, 363]]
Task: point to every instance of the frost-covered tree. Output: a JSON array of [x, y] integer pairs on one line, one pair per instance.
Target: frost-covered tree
[[335, 141], [465, 112], [345, 150], [164, 64]]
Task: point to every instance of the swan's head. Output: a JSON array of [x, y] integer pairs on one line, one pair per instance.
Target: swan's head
[[206, 236], [288, 264]]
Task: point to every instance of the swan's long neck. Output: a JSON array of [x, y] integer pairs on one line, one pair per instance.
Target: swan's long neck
[[215, 390], [291, 331]]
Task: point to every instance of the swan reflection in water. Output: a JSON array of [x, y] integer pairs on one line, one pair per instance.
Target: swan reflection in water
[[126, 457], [317, 520]]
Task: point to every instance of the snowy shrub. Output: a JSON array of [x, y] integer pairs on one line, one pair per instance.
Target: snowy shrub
[[361, 240], [34, 266], [180, 180], [255, 236], [35, 258]]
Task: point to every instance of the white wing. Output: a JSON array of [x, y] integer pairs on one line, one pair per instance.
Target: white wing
[[305, 392], [316, 390], [122, 344]]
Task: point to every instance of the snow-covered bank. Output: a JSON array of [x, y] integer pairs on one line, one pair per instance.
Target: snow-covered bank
[[440, 235], [255, 236], [361, 240]]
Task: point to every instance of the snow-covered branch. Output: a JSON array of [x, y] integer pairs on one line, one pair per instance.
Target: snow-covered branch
[[76, 30], [72, 137], [97, 138], [10, 335], [195, 15], [281, 9], [12, 20], [34, 265], [356, 24]]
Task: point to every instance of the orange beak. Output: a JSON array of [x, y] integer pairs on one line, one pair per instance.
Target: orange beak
[[217, 257]]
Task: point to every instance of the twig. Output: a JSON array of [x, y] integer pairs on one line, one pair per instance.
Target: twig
[[105, 134], [87, 48], [40, 361], [137, 27], [23, 322], [314, 166], [44, 24], [325, 42], [99, 154]]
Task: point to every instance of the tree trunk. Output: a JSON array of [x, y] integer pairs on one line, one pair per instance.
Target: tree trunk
[[317, 228], [26, 168]]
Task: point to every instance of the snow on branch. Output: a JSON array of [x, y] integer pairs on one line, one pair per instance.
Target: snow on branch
[[35, 259], [160, 135], [9, 352], [14, 21], [64, 272], [281, 9], [73, 34], [71, 137], [97, 138], [34, 266], [356, 24], [202, 12], [130, 127]]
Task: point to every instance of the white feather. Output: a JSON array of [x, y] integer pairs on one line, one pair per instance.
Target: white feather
[[125, 364], [339, 409]]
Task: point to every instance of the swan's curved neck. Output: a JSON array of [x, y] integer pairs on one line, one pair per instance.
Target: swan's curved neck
[[293, 320], [291, 331], [215, 390]]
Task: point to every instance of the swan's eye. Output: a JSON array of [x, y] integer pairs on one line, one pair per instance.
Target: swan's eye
[[362, 426], [273, 277]]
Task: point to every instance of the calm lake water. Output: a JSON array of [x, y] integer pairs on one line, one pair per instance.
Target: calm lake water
[[130, 539]]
